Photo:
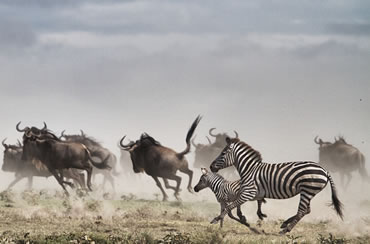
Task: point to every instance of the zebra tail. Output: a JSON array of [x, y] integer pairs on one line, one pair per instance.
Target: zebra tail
[[336, 203]]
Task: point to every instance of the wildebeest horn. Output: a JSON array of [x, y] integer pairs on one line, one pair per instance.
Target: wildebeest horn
[[236, 134], [192, 141], [82, 133], [45, 126], [125, 147], [3, 142], [21, 130], [62, 134], [316, 141], [209, 140], [210, 132]]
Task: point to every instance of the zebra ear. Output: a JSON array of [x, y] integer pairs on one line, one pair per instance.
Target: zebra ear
[[228, 140], [204, 171]]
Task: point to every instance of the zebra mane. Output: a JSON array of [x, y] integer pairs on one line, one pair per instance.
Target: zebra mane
[[247, 145]]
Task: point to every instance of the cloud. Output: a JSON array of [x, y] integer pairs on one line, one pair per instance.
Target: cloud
[[14, 34], [356, 29]]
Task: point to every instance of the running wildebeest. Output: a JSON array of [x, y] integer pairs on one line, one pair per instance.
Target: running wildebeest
[[149, 156], [343, 158], [57, 155], [12, 162], [96, 150]]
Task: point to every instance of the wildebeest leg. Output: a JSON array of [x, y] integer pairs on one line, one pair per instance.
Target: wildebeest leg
[[165, 197], [61, 173], [349, 177], [89, 173], [342, 179], [178, 182], [15, 181], [190, 173], [29, 182], [167, 185], [259, 211], [108, 176], [60, 180]]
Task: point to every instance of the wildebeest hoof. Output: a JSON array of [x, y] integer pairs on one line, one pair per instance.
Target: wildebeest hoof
[[190, 190], [165, 199]]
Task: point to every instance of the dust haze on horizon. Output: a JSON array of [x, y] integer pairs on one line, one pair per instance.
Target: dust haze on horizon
[[278, 72]]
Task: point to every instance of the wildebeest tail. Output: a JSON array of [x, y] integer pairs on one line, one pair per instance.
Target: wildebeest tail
[[189, 135], [100, 165], [338, 206]]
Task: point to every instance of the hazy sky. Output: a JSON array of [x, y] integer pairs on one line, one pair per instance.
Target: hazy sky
[[278, 72]]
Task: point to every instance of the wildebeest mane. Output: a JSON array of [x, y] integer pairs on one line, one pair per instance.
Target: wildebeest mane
[[83, 139], [147, 140]]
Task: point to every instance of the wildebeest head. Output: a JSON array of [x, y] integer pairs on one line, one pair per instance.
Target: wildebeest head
[[29, 139], [139, 148], [220, 137], [12, 157]]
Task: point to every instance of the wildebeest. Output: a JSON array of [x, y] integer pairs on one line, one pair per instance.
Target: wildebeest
[[343, 158], [57, 155], [12, 162], [206, 153], [149, 156], [96, 150]]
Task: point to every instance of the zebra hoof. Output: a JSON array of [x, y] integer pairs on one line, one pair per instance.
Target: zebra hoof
[[215, 220], [284, 231], [283, 225]]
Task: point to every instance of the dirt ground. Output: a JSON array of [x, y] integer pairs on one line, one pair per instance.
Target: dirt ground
[[49, 217]]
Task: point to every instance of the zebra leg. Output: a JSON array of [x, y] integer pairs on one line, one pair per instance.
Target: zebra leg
[[240, 215], [165, 197], [303, 209], [246, 194], [259, 211]]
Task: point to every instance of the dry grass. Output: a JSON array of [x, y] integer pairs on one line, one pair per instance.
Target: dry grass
[[44, 217]]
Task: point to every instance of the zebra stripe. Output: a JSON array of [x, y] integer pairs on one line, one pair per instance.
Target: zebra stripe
[[225, 192], [278, 181]]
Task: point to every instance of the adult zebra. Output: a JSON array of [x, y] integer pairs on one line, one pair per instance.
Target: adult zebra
[[278, 181]]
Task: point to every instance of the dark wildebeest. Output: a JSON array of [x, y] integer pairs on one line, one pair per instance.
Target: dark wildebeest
[[12, 162], [204, 154], [57, 155], [96, 150], [342, 158], [150, 156]]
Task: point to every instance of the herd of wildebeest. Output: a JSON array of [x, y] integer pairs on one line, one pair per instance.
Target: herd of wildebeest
[[74, 160]]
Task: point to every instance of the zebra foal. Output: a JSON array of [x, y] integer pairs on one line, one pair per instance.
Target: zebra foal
[[277, 181], [225, 192]]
